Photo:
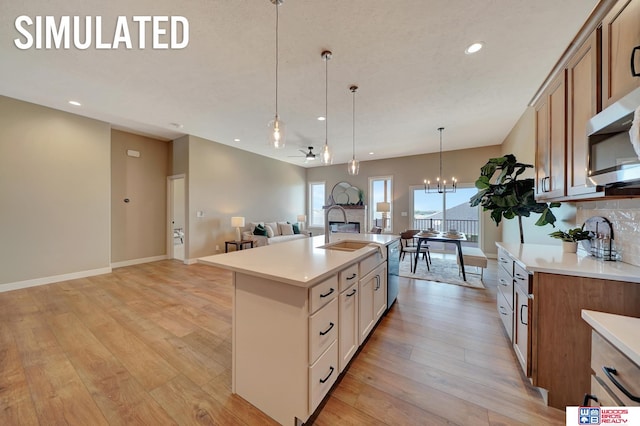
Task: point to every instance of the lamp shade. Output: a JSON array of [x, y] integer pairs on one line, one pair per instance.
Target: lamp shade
[[237, 221], [383, 207], [302, 218]]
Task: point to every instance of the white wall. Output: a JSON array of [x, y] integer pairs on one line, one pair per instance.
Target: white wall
[[54, 193]]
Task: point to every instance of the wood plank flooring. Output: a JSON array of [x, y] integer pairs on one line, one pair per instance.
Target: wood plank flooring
[[151, 345]]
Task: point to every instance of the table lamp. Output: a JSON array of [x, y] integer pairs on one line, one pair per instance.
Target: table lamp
[[384, 208], [237, 222], [301, 220]]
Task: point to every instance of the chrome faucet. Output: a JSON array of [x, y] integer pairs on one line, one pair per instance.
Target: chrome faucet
[[326, 220]]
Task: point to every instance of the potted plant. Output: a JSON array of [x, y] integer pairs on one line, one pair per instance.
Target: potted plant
[[570, 238], [509, 196]]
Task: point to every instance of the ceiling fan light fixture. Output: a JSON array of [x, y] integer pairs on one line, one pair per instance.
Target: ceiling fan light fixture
[[353, 166], [276, 127], [326, 157]]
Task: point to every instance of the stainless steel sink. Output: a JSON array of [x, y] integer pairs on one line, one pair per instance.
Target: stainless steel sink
[[346, 245]]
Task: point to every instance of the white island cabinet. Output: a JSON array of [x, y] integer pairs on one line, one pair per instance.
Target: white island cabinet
[[297, 319]]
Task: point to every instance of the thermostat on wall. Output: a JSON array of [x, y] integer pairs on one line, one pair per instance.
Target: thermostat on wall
[[133, 153]]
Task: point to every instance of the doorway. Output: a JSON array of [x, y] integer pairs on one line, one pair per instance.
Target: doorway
[[176, 215]]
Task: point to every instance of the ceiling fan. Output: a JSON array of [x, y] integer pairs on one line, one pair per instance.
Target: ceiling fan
[[308, 156]]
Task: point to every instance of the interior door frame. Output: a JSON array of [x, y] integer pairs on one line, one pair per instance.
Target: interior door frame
[[170, 202]]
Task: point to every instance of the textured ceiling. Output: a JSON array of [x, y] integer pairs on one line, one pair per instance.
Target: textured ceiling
[[407, 57]]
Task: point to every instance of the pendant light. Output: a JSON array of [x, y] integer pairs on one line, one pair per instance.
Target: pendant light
[[276, 126], [354, 165], [441, 186], [326, 157]]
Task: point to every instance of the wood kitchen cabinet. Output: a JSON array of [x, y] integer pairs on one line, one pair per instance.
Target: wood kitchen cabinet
[[620, 35], [583, 102], [561, 340], [551, 140]]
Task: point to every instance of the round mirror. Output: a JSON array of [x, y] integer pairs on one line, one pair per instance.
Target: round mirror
[[344, 193]]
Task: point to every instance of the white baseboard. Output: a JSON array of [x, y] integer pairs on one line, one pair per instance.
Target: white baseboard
[[138, 261], [190, 261], [53, 279]]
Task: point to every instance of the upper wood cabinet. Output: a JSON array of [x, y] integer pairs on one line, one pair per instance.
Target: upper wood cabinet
[[583, 102], [620, 35], [551, 140]]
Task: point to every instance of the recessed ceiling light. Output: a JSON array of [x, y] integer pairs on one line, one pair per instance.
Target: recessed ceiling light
[[321, 118], [236, 140], [371, 153], [473, 48], [75, 103]]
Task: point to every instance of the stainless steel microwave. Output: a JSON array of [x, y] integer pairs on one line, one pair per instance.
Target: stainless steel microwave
[[613, 161]]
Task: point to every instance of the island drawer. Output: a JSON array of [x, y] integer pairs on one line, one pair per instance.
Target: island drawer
[[505, 284], [348, 277], [322, 375], [627, 373], [600, 391], [323, 293], [522, 278], [505, 261], [323, 329], [506, 312]]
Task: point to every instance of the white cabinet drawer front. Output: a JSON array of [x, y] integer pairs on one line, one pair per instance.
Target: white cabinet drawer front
[[323, 329], [369, 264], [505, 261], [348, 277], [521, 278], [348, 319], [621, 369], [505, 284], [322, 375], [505, 312], [323, 293]]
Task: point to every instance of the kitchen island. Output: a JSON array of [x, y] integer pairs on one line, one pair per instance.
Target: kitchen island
[[301, 310]]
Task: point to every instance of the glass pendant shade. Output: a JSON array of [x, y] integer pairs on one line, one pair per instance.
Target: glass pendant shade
[[353, 167], [277, 133], [326, 157]]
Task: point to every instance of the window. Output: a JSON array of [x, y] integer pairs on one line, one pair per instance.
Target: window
[[316, 202], [380, 190], [446, 211]]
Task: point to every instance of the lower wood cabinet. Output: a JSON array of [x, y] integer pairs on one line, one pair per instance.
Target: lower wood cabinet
[[617, 377]]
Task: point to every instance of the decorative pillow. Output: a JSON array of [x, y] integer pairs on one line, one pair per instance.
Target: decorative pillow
[[252, 226], [296, 228], [274, 228], [260, 230], [281, 226], [286, 229], [269, 230]]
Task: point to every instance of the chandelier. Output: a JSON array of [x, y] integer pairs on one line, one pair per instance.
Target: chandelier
[[441, 185]]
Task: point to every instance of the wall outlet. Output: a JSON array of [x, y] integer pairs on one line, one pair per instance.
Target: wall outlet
[[199, 213], [403, 214], [217, 247]]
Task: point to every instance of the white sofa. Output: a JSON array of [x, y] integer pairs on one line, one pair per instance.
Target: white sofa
[[277, 232]]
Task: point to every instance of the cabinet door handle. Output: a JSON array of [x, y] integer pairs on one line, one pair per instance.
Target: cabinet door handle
[[352, 276], [322, 333], [587, 397], [610, 372], [331, 290], [502, 312], [633, 62], [521, 308], [503, 260], [352, 293], [329, 375], [521, 277], [378, 281], [504, 282]]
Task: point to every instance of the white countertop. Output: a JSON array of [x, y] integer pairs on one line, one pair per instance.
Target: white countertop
[[551, 259], [623, 332], [297, 262]]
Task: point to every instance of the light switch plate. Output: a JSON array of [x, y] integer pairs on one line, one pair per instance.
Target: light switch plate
[[403, 214], [199, 213]]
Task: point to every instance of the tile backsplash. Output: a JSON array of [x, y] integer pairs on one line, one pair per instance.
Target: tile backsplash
[[624, 215]]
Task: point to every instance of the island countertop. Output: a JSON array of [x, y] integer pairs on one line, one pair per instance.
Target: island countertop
[[551, 259], [299, 262]]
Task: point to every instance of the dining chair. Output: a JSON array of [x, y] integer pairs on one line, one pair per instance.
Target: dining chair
[[408, 245]]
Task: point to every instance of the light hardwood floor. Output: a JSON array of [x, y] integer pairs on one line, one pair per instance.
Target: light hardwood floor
[[151, 345]]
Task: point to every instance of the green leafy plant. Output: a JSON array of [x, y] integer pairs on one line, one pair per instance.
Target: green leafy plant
[[571, 235], [508, 196]]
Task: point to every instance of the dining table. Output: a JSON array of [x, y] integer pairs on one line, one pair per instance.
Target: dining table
[[455, 238]]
